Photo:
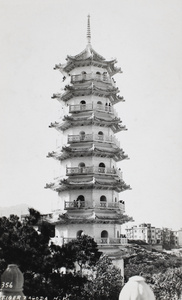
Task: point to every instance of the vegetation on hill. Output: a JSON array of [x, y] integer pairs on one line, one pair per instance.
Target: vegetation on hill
[[89, 274], [42, 262], [162, 271]]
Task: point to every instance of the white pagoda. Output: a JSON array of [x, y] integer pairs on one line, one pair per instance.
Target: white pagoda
[[89, 190]]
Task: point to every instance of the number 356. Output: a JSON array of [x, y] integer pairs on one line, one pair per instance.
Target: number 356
[[7, 285]]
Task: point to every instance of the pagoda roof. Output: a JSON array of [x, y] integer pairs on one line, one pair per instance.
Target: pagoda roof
[[90, 88], [68, 152], [86, 58], [91, 183], [69, 121]]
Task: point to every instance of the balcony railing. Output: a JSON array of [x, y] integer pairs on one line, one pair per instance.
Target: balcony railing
[[111, 241], [90, 106], [92, 170], [74, 204], [92, 137], [92, 76], [103, 241], [71, 205]]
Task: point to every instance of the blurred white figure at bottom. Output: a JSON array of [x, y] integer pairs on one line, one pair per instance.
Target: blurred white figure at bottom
[[136, 289]]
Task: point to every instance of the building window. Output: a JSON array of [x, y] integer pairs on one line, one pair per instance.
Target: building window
[[99, 102]]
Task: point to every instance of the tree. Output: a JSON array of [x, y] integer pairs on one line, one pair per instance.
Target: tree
[[105, 281], [22, 244], [83, 250]]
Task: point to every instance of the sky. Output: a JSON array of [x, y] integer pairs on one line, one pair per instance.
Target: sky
[[146, 38]]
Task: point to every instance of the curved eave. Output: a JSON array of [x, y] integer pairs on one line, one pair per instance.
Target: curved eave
[[63, 185], [66, 220], [69, 122], [89, 91], [68, 152], [72, 64]]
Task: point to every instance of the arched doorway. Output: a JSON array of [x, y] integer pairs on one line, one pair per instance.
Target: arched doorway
[[80, 201], [81, 167], [102, 167], [103, 201], [104, 237], [82, 135], [82, 105], [100, 135]]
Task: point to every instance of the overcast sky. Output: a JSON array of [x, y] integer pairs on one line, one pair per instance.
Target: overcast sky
[[146, 38]]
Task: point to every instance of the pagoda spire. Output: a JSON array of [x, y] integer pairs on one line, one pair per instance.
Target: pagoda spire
[[88, 31]]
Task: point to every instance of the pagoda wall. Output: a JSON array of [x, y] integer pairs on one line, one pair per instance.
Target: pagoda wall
[[89, 161], [91, 196], [88, 129], [87, 69], [94, 230]]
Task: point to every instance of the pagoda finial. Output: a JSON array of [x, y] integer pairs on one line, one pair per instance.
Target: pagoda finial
[[88, 31]]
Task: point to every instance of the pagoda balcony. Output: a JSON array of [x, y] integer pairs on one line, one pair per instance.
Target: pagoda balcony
[[91, 107], [72, 205], [92, 170], [92, 76], [92, 138], [115, 205]]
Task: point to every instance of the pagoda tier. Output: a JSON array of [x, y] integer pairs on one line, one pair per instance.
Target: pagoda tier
[[94, 119], [92, 182], [92, 89], [88, 57], [69, 152]]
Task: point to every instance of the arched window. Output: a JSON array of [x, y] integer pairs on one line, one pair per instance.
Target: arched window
[[104, 234], [82, 135], [101, 167], [82, 102], [83, 72], [98, 73], [104, 237], [103, 201], [81, 165], [99, 102], [100, 135]]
